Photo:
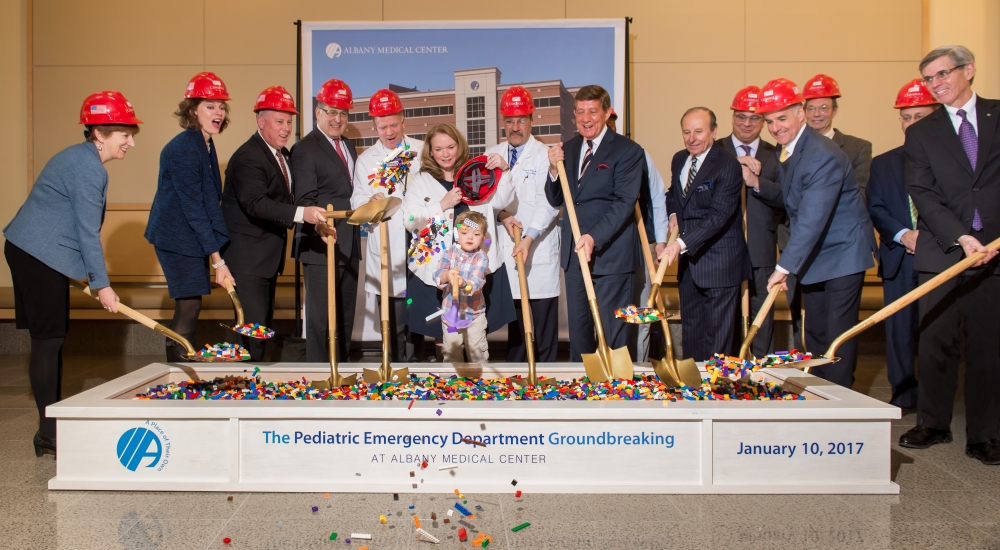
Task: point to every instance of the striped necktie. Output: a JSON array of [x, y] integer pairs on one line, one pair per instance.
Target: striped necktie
[[913, 212], [691, 174], [284, 169], [587, 157]]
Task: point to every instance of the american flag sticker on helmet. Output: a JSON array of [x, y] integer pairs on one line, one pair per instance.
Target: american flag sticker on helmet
[[98, 109]]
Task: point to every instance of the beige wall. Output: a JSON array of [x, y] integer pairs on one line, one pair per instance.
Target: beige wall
[[684, 53]]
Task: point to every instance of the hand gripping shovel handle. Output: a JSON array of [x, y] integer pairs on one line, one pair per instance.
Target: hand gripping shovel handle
[[657, 279], [588, 283], [759, 320]]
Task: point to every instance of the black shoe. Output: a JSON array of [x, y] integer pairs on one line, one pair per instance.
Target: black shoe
[[44, 444], [988, 452], [921, 437]]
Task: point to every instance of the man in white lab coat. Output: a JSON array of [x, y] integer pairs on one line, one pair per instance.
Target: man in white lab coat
[[529, 167], [386, 111]]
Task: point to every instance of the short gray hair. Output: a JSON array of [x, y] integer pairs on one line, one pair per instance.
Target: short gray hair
[[959, 55], [711, 116]]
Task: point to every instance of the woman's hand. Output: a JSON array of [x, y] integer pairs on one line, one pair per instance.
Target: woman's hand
[[221, 274], [109, 300], [451, 199]]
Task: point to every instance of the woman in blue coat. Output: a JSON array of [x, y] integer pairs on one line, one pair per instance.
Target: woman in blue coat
[[56, 234], [185, 225]]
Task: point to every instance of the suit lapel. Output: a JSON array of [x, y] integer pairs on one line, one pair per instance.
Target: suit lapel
[[327, 148], [986, 119], [945, 130], [602, 153]]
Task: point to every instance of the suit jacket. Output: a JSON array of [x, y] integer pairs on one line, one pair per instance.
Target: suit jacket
[[258, 209], [60, 222], [947, 190], [831, 233], [889, 207], [321, 178], [604, 198], [710, 220], [186, 216], [859, 151], [762, 217]]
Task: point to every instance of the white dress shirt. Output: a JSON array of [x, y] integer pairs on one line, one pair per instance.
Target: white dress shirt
[[754, 145], [685, 170], [970, 114], [830, 133], [299, 210]]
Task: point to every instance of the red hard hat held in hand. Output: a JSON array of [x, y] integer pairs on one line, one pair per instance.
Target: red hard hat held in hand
[[821, 86], [207, 86], [516, 101], [108, 107], [914, 94], [746, 99], [777, 95], [476, 182], [275, 98], [384, 103], [337, 94]]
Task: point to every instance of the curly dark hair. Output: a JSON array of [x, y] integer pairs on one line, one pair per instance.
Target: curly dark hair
[[187, 113]]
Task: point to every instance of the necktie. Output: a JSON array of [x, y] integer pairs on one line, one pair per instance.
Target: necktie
[[513, 157], [586, 159], [284, 169], [970, 142], [784, 155], [746, 150], [913, 211], [691, 174], [337, 145]]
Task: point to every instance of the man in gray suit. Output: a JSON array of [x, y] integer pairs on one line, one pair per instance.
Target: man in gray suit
[[821, 93], [832, 239]]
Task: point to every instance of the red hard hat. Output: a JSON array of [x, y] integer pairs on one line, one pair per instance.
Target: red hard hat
[[207, 86], [107, 107], [746, 99], [337, 94], [476, 182], [384, 103], [821, 86], [275, 98], [778, 94], [516, 101], [914, 94]]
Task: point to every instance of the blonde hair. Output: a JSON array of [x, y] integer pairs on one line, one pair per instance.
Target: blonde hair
[[428, 164], [472, 216]]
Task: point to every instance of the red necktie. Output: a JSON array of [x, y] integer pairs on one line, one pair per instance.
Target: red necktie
[[284, 169], [337, 144]]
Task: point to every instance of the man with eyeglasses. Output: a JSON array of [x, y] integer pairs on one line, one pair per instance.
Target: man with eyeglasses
[[763, 198], [952, 172], [895, 217], [322, 167], [821, 93], [528, 159]]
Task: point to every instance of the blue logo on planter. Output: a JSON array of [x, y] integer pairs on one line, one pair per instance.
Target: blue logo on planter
[[136, 444]]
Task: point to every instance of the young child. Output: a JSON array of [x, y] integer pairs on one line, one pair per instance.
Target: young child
[[464, 266]]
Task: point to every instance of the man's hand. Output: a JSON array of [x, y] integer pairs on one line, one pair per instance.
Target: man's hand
[[325, 232], [672, 223], [555, 155], [586, 244], [522, 247], [751, 164], [777, 278], [509, 222], [658, 248], [752, 180], [971, 245], [313, 214], [909, 240], [496, 161], [670, 253], [376, 197]]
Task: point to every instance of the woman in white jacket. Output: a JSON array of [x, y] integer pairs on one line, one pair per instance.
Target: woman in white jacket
[[433, 199]]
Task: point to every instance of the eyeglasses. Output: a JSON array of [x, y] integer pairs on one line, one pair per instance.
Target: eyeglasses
[[941, 75], [334, 112], [512, 121], [820, 109], [751, 118]]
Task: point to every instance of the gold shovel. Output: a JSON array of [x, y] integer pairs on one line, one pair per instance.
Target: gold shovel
[[335, 380], [190, 354], [605, 364], [758, 321], [529, 333], [912, 296], [240, 321]]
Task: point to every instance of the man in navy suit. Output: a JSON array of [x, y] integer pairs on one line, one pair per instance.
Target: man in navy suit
[[832, 239], [895, 218], [604, 171], [952, 172], [704, 199]]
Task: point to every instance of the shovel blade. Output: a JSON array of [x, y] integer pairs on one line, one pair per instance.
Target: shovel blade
[[688, 372], [810, 363], [594, 365], [664, 372], [621, 364]]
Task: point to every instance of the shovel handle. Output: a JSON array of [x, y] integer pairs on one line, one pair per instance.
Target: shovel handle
[[758, 321], [910, 297], [236, 302], [575, 226]]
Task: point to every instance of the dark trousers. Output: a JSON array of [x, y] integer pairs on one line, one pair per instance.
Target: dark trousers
[[545, 329], [613, 292], [969, 303], [763, 343], [708, 319], [317, 320], [831, 309], [900, 336], [794, 298], [404, 347], [257, 298]]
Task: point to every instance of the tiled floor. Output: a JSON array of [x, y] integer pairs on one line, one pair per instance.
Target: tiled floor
[[947, 501]]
